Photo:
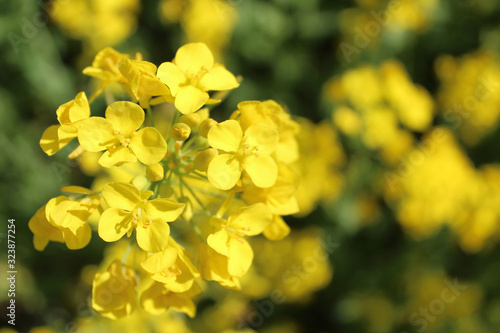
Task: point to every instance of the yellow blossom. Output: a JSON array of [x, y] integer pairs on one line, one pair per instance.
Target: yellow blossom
[[191, 74], [141, 82], [214, 267], [279, 198], [273, 115], [105, 68], [229, 239], [118, 135], [113, 294], [63, 220], [69, 115], [249, 152], [173, 267], [157, 298], [130, 209]]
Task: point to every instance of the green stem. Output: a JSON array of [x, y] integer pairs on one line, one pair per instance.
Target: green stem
[[195, 197], [127, 252], [150, 116]]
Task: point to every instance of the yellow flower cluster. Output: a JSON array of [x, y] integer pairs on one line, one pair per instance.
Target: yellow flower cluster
[[446, 189], [382, 107], [468, 96], [428, 182], [221, 183]]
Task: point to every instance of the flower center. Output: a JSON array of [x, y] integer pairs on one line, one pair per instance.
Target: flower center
[[120, 135], [194, 78]]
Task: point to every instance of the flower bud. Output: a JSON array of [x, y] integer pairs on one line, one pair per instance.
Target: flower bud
[[192, 119], [180, 132], [205, 126], [155, 172], [204, 158]]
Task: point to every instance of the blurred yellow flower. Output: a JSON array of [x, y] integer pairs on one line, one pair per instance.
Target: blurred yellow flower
[[113, 294]]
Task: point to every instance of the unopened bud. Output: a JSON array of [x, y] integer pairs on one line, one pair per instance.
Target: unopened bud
[[205, 126], [155, 172], [180, 132], [192, 119], [203, 159]]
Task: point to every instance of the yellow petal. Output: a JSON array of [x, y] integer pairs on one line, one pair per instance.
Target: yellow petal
[[164, 209], [74, 110], [277, 229], [116, 157], [43, 231], [148, 145], [50, 141], [189, 99], [113, 224], [160, 261], [262, 136], [240, 256], [262, 170], [224, 171], [156, 300], [76, 189], [153, 237], [251, 220], [172, 76], [225, 136], [78, 239], [121, 195], [192, 57], [213, 267], [125, 116], [40, 242], [219, 78], [67, 132], [68, 214], [219, 241], [288, 208], [96, 134]]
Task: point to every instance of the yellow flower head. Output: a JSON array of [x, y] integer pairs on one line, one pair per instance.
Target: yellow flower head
[[279, 198], [191, 74], [63, 220], [158, 298], [273, 115], [249, 152], [105, 68], [141, 82], [173, 267], [69, 116], [113, 294], [229, 239], [130, 209], [214, 267], [118, 135]]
